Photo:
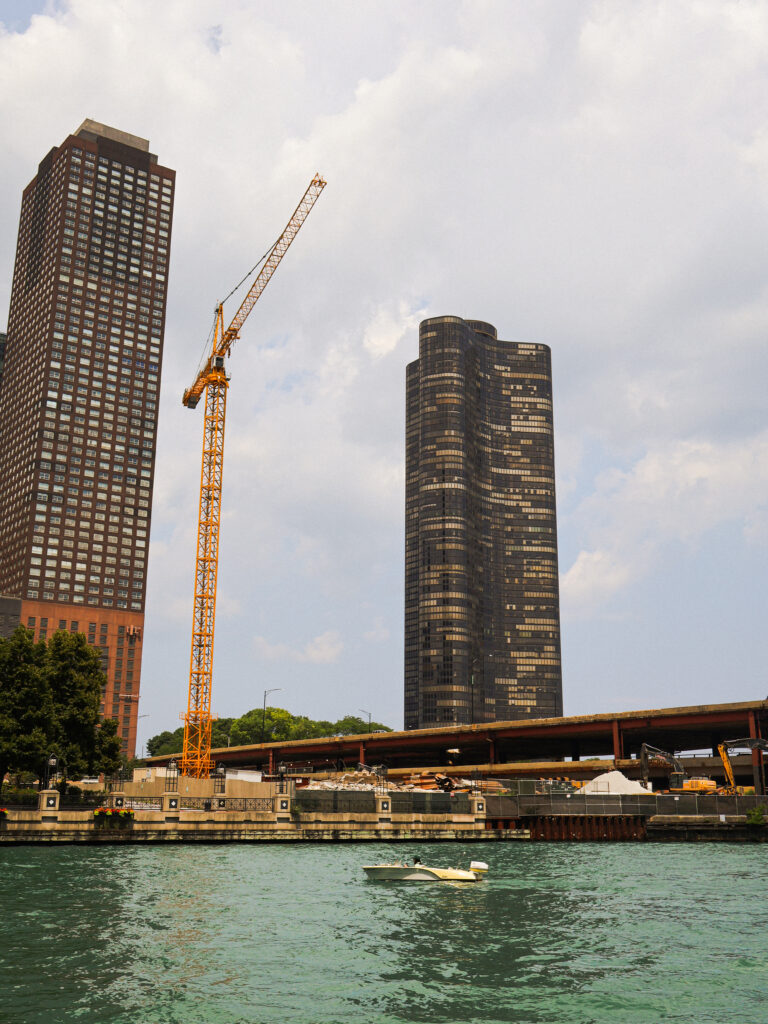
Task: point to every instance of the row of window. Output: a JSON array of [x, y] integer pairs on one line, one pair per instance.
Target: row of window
[[128, 653]]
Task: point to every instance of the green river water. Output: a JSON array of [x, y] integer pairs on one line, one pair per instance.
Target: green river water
[[559, 933]]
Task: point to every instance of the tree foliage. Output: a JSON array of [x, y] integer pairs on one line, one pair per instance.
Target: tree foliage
[[277, 725], [49, 704], [171, 741], [74, 674], [108, 756], [27, 722]]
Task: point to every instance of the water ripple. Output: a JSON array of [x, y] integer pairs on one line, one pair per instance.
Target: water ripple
[[558, 934]]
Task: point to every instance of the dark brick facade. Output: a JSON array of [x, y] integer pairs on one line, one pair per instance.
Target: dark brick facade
[[79, 396]]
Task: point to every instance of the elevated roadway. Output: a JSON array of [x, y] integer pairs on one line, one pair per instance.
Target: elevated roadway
[[562, 744]]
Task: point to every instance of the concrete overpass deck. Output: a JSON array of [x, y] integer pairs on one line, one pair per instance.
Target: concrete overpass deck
[[616, 736]]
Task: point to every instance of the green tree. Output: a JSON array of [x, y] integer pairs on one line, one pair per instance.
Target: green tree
[[108, 756], [73, 671], [27, 720], [166, 742], [280, 725], [351, 725], [49, 704], [221, 733], [247, 728], [276, 725]]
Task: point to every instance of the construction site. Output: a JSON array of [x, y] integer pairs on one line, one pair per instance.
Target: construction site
[[588, 778]]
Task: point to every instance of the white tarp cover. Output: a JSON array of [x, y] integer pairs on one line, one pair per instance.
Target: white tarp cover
[[613, 782]]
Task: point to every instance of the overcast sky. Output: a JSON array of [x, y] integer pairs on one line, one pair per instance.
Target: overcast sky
[[593, 176]]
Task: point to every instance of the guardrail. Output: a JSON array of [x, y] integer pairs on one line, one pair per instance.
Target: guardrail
[[249, 803], [230, 803], [143, 803]]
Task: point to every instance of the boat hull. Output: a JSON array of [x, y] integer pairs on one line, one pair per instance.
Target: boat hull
[[416, 873]]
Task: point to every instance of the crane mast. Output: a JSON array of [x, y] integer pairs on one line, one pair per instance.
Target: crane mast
[[212, 382]]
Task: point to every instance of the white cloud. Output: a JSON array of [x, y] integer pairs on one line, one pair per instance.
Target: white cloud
[[593, 578], [389, 327], [674, 495], [324, 649], [378, 633]]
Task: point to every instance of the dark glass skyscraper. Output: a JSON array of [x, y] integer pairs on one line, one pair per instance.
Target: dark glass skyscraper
[[78, 400], [482, 618]]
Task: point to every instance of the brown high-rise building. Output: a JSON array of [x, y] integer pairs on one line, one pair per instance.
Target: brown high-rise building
[[79, 396], [482, 618]]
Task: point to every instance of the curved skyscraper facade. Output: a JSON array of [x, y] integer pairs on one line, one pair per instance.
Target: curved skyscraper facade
[[482, 619]]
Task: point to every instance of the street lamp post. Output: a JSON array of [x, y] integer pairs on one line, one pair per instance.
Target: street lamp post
[[274, 689], [50, 768], [142, 745], [369, 717]]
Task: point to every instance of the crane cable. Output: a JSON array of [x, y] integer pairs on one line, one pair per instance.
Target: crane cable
[[207, 345], [257, 264]]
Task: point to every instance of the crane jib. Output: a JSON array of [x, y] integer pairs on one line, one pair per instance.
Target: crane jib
[[227, 337]]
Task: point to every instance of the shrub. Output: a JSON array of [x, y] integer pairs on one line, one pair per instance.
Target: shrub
[[756, 817], [76, 797], [20, 797]]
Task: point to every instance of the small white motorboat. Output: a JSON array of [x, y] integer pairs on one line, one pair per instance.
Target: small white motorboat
[[402, 871]]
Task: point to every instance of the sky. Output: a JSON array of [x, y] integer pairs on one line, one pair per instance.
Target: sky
[[590, 176]]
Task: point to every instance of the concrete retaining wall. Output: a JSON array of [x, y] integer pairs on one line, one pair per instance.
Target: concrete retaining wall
[[283, 822]]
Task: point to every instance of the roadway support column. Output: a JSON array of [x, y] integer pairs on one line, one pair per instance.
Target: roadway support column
[[618, 752], [758, 765], [361, 753]]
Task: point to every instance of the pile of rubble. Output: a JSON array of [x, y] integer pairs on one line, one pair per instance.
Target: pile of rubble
[[367, 780], [360, 781]]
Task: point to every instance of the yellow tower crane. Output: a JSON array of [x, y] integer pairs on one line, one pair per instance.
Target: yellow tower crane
[[212, 381]]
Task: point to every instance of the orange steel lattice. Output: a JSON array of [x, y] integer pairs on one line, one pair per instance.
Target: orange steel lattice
[[226, 339], [212, 379]]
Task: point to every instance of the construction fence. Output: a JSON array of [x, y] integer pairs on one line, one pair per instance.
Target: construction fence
[[540, 804]]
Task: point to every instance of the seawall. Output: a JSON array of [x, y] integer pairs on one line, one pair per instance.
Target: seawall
[[354, 816]]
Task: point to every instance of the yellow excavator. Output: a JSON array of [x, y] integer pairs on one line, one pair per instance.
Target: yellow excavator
[[678, 780], [724, 748]]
